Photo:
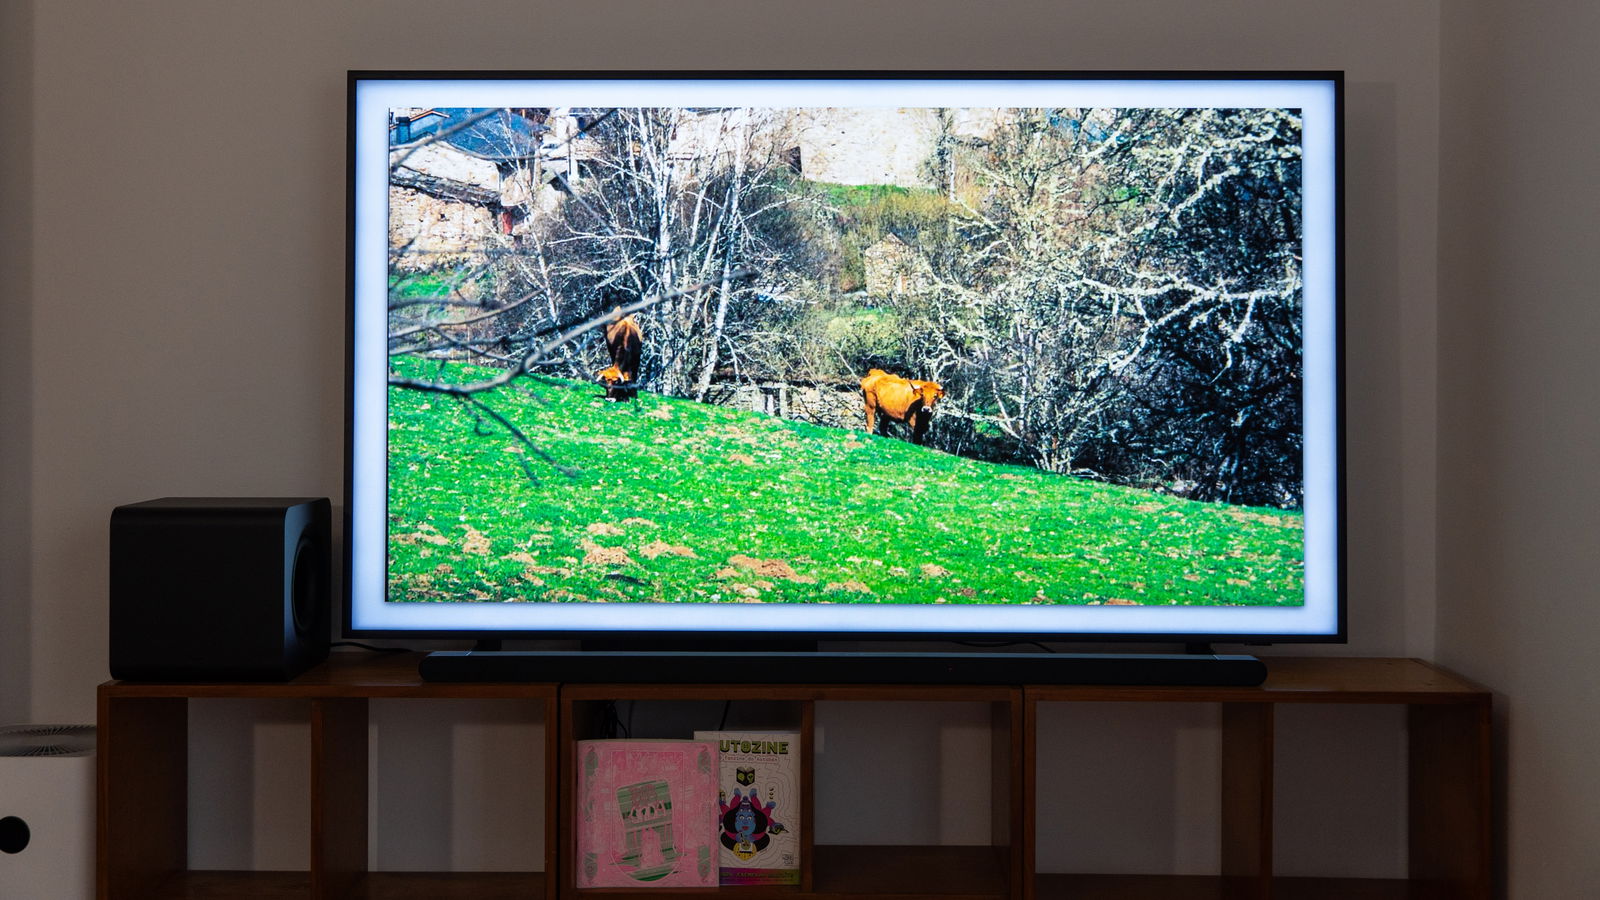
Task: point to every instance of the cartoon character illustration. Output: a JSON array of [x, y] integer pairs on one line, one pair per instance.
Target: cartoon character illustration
[[646, 809], [747, 825]]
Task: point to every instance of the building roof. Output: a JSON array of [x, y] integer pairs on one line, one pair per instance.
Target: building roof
[[502, 135]]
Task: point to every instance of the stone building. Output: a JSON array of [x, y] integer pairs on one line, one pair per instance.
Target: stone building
[[449, 198], [881, 145], [499, 175], [894, 267]]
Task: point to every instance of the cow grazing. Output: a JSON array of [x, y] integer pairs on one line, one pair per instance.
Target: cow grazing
[[623, 343], [903, 399]]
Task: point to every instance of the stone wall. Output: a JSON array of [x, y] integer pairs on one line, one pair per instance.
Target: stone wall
[[894, 267], [867, 145], [836, 406], [871, 145], [439, 232]]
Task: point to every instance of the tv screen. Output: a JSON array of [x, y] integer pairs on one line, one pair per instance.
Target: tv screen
[[1011, 356]]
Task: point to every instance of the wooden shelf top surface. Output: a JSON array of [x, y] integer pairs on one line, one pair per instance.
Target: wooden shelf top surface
[[895, 693], [344, 674], [1305, 679], [1289, 680]]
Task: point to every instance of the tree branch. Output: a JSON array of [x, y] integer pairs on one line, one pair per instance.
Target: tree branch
[[544, 350], [474, 404], [407, 332]]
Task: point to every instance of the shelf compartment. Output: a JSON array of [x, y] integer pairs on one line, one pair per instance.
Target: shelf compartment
[[144, 771], [835, 872], [1450, 811], [471, 772], [581, 709]]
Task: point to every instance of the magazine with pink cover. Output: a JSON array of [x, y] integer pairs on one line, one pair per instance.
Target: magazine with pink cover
[[646, 813]]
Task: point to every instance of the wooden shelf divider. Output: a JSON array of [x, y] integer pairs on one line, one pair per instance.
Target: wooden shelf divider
[[1247, 799]]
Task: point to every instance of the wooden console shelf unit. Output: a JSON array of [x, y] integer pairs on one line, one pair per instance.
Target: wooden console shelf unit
[[143, 771]]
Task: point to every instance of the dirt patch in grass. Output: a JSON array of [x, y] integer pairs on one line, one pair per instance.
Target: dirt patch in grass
[[596, 555], [1244, 515], [771, 568], [533, 566], [420, 537], [476, 542], [852, 586], [656, 549]]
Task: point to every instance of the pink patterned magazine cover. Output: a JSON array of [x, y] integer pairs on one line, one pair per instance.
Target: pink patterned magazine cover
[[646, 814]]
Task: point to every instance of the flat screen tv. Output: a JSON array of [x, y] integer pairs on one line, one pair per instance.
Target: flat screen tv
[[845, 356]]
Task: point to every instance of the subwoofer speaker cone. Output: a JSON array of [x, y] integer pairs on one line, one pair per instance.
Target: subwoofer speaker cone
[[308, 587]]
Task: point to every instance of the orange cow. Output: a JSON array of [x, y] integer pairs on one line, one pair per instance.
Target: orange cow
[[623, 343], [904, 399]]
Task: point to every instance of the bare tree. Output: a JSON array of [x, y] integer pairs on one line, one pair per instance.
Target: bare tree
[[1126, 300]]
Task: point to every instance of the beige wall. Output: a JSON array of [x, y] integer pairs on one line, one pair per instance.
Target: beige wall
[[1519, 414], [16, 356], [174, 312]]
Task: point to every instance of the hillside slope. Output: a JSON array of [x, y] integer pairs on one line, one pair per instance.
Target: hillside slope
[[674, 501]]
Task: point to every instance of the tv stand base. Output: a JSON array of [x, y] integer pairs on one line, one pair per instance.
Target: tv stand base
[[712, 667]]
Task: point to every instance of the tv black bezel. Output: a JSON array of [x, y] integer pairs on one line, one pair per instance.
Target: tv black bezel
[[751, 638]]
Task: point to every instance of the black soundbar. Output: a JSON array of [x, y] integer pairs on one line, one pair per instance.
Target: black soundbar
[[756, 667]]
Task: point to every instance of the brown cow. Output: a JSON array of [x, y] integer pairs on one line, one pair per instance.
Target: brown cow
[[623, 342], [903, 399]]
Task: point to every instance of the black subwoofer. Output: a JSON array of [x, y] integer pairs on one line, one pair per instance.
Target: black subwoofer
[[220, 588]]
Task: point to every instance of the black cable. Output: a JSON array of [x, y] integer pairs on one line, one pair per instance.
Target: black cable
[[992, 644], [723, 725], [372, 648], [610, 725]]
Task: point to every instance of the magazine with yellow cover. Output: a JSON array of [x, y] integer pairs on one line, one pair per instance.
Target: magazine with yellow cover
[[758, 806]]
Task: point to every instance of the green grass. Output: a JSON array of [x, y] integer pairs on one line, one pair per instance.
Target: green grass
[[421, 285], [673, 501], [435, 285], [866, 212], [864, 194]]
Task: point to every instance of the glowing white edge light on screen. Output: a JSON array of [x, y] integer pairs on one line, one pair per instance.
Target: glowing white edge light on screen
[[368, 537]]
